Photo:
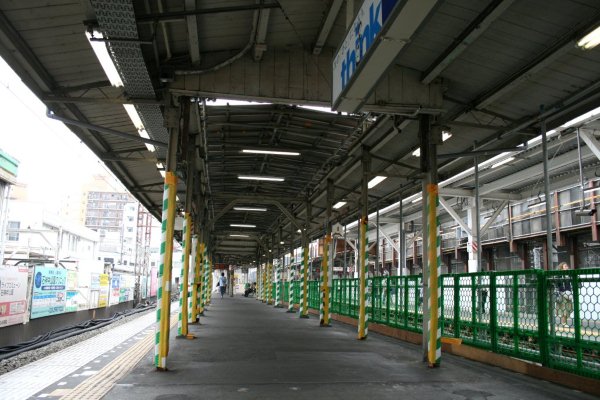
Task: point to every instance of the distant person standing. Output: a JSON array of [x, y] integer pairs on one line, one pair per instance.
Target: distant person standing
[[222, 284], [564, 299]]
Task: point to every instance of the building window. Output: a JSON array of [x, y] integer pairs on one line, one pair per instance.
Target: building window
[[13, 226]]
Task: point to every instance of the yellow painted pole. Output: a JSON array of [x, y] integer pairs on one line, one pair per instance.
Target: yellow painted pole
[[196, 281], [184, 291], [210, 281], [435, 336], [163, 311], [270, 282], [325, 316]]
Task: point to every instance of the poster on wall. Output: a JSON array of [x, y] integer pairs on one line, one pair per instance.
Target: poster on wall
[[94, 296], [123, 289], [49, 291], [104, 287], [13, 295], [115, 289], [72, 298]]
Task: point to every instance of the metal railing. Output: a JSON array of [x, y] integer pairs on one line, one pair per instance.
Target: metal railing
[[549, 317]]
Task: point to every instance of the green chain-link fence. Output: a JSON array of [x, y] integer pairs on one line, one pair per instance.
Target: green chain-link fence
[[548, 317]]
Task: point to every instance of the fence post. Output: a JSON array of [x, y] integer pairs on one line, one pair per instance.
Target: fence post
[[542, 298], [456, 306], [493, 312]]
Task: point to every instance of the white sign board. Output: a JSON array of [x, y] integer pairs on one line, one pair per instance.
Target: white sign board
[[359, 39], [13, 294]]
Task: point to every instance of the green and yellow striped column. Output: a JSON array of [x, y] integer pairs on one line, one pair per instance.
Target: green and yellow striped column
[[434, 348], [270, 283], [202, 280], [263, 295], [291, 285], [363, 318], [210, 281], [195, 278], [304, 290], [163, 298], [184, 308], [206, 284], [278, 285], [324, 313]]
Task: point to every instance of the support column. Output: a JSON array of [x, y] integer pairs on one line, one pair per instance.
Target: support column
[[325, 314], [184, 309], [431, 234], [548, 213], [472, 239], [363, 262], [305, 240], [270, 276], [207, 288], [210, 279], [195, 304], [163, 299], [291, 274], [231, 280]]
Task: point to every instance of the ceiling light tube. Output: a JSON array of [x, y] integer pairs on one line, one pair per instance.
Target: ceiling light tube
[[376, 181], [590, 40], [505, 161], [250, 209], [418, 199], [275, 152], [339, 204], [260, 178], [240, 236], [242, 225], [103, 56]]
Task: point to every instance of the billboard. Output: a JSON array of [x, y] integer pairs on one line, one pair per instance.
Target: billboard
[[13, 295], [362, 35], [49, 291], [115, 289], [104, 286], [153, 281], [72, 292]]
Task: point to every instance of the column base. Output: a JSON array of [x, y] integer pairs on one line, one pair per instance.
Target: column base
[[277, 306], [325, 325], [304, 316], [292, 311]]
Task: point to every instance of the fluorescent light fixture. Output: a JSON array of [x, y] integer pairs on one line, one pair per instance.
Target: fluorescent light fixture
[[160, 165], [376, 181], [417, 152], [505, 161], [249, 209], [299, 231], [590, 40], [275, 152], [281, 242], [242, 225], [106, 62], [145, 135], [418, 199], [581, 118], [270, 251], [162, 173], [339, 204], [134, 116], [260, 178], [238, 235], [176, 198]]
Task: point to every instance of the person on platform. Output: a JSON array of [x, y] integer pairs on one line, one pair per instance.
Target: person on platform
[[222, 284]]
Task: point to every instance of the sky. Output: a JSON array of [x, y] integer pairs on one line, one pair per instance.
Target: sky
[[53, 163]]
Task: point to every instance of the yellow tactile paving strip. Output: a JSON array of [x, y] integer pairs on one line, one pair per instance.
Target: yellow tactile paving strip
[[99, 384]]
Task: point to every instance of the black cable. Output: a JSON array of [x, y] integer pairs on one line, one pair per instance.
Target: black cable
[[67, 332]]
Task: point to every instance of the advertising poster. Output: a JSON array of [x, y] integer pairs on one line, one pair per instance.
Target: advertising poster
[[153, 281], [94, 290], [104, 287], [131, 287], [72, 291], [49, 291], [13, 295], [123, 289], [115, 290]]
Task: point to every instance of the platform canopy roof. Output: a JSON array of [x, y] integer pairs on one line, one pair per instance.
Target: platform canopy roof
[[490, 73]]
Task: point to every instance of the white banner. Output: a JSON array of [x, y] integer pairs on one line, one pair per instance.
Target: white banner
[[13, 295]]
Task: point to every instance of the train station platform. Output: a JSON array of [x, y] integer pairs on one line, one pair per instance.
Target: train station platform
[[245, 349]]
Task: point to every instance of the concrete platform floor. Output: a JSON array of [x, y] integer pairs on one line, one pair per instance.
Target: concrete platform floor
[[247, 350]]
